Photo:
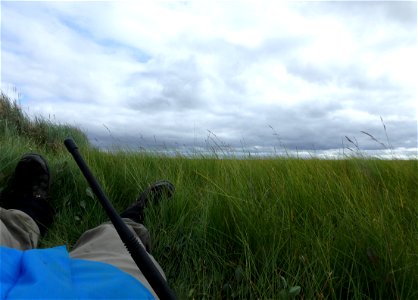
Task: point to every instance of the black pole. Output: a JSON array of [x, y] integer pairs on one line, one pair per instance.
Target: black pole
[[137, 251]]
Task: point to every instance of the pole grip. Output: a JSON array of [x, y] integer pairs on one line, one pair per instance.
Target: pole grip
[[137, 251]]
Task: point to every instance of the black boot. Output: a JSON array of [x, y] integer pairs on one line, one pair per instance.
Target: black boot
[[153, 194], [28, 191]]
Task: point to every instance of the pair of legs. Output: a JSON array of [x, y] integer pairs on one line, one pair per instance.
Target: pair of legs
[[27, 214]]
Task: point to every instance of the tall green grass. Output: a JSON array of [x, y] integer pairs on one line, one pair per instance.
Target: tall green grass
[[339, 229]]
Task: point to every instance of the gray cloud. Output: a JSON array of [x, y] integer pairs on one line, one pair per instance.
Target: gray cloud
[[398, 11], [167, 86], [314, 72]]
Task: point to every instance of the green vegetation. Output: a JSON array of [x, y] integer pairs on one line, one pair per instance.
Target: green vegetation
[[235, 229]]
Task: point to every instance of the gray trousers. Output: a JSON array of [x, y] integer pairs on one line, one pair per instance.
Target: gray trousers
[[102, 244]]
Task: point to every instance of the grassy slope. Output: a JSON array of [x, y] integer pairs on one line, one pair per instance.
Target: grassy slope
[[339, 229]]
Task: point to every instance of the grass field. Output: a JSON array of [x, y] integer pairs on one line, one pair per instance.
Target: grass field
[[237, 229]]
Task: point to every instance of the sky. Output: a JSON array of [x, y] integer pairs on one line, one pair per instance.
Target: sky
[[256, 75]]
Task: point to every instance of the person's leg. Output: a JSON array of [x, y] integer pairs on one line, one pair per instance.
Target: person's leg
[[103, 243], [18, 230], [26, 214]]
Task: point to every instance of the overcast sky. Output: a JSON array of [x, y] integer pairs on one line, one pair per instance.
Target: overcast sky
[[258, 74]]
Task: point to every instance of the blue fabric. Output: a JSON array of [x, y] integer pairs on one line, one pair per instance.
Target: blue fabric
[[52, 274]]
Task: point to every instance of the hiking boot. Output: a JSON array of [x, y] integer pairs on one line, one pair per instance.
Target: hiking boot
[[28, 190], [153, 194]]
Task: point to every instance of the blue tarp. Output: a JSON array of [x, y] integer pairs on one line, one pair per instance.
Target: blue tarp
[[53, 274]]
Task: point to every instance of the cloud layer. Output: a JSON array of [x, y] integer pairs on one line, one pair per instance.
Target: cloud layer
[[302, 74]]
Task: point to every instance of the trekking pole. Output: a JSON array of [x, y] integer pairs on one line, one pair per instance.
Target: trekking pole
[[137, 251]]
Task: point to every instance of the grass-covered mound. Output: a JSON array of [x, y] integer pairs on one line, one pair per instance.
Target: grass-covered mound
[[236, 228]]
